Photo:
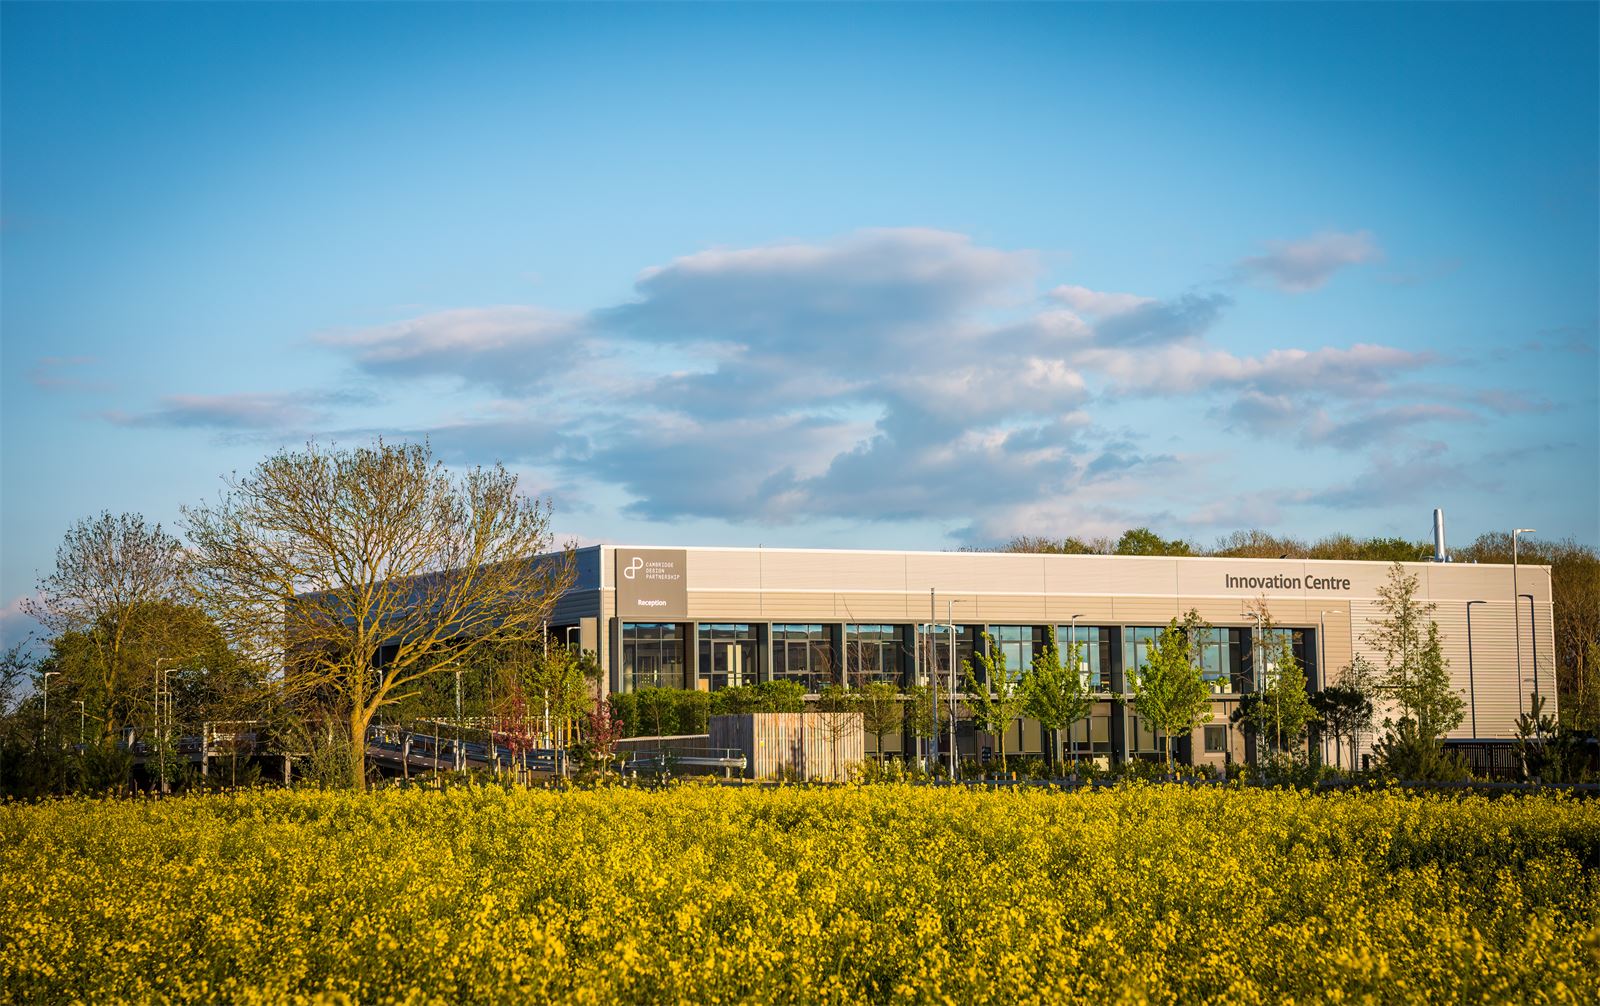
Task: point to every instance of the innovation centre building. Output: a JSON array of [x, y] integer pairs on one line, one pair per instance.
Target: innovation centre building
[[710, 618]]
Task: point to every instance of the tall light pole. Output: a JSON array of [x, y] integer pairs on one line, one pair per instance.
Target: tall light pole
[[44, 682], [155, 729], [1472, 687], [952, 612], [1516, 608], [1257, 644], [166, 733], [1322, 661], [1083, 678]]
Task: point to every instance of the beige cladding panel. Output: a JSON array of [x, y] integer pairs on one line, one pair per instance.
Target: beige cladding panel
[[725, 569], [832, 571], [1465, 582], [1136, 575], [1086, 575]]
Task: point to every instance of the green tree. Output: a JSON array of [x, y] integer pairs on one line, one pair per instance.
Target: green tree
[[840, 715], [1345, 712], [373, 569], [881, 711], [1143, 541], [996, 702], [926, 712], [1414, 676], [1279, 709], [1055, 692], [1169, 691], [109, 571]]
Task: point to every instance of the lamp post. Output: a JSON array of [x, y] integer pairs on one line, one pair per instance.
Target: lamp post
[[44, 682], [1322, 661], [1516, 608], [166, 731], [155, 728], [1256, 643], [952, 613], [1080, 671], [1472, 687], [82, 716]]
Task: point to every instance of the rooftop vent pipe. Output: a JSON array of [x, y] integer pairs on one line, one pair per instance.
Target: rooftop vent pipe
[[1439, 554]]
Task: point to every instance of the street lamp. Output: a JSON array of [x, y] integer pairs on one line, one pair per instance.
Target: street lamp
[[1516, 607], [82, 715], [1257, 643], [1472, 687], [155, 728], [166, 733], [952, 613], [1083, 678], [45, 685], [1322, 660]]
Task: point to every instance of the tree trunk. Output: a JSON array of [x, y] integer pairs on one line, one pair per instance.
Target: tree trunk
[[358, 749]]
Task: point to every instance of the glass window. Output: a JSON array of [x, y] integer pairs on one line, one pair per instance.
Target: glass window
[[1137, 641], [730, 656], [939, 639], [1090, 639], [803, 654], [652, 655], [1215, 655], [1273, 642], [1216, 739], [873, 653], [1019, 643]]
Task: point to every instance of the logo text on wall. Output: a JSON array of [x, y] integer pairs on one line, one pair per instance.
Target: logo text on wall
[[1280, 582], [652, 583]]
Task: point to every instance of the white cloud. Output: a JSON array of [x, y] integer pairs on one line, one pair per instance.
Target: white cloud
[[1299, 266], [888, 374], [511, 347], [1093, 302], [240, 411]]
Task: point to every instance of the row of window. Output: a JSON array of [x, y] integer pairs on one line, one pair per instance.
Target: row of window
[[731, 653]]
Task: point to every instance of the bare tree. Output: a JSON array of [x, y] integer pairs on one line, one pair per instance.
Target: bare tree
[[367, 570], [109, 571]]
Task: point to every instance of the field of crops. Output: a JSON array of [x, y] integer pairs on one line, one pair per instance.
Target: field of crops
[[880, 894]]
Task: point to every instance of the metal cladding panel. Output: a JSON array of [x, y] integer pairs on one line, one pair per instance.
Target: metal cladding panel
[[1007, 574], [574, 605], [588, 567], [833, 571], [1010, 609], [798, 607], [949, 573], [1078, 574], [873, 607], [1469, 581], [719, 569], [725, 606], [1090, 610], [1146, 610], [1140, 575]]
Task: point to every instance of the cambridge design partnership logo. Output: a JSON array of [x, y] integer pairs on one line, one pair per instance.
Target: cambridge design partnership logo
[[634, 567]]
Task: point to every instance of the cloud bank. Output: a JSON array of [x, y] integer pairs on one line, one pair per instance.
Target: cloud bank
[[899, 374]]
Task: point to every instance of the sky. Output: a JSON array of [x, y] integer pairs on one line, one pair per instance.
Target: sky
[[825, 275]]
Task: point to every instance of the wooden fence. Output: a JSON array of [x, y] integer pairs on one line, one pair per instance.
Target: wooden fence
[[799, 745]]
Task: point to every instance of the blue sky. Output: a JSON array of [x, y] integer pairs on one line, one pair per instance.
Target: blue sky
[[899, 276]]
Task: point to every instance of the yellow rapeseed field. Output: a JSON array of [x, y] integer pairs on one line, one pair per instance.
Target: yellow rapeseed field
[[858, 894]]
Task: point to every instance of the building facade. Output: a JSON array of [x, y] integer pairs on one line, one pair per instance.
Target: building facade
[[710, 618]]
